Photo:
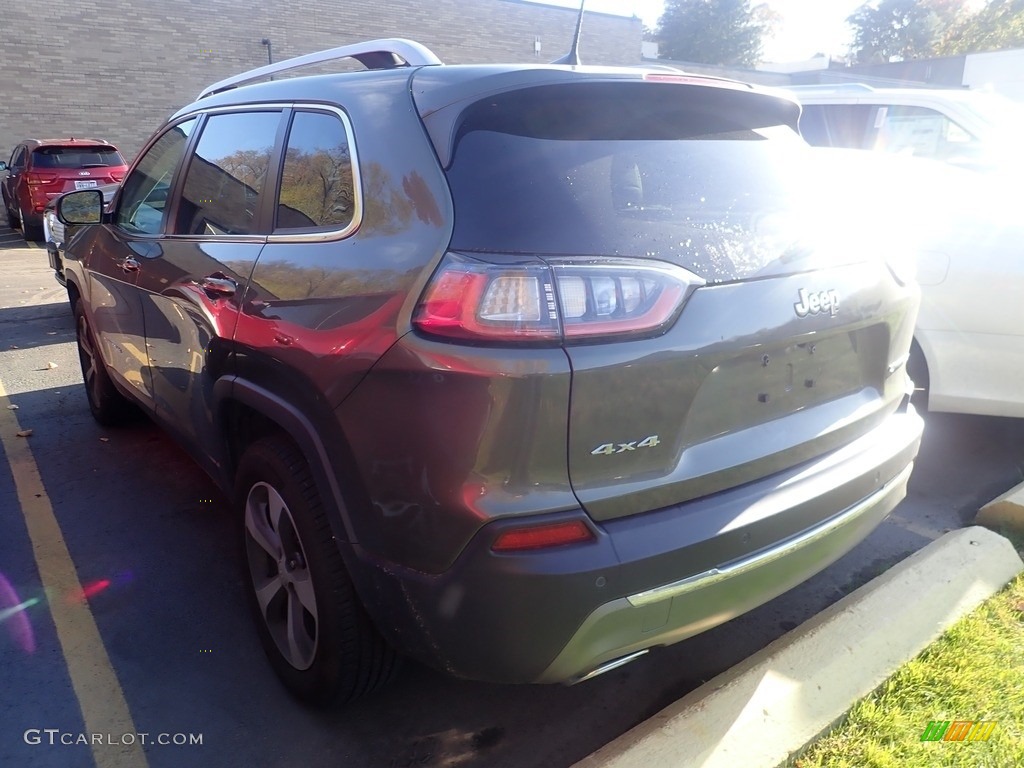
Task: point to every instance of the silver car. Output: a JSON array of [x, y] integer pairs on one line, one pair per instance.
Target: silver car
[[56, 234]]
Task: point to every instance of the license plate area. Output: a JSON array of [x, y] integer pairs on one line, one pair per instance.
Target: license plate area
[[767, 382], [85, 183]]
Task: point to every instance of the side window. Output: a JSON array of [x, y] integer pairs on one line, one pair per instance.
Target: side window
[[144, 193], [918, 131], [18, 158], [227, 175], [847, 124], [317, 187]]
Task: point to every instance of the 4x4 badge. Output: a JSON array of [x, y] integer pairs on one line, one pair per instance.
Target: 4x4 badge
[[608, 449], [816, 302]]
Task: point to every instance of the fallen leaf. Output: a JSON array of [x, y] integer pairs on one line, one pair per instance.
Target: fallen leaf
[[24, 433], [12, 407], [51, 365]]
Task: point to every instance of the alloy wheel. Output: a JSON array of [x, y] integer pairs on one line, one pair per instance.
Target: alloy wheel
[[87, 355], [280, 576]]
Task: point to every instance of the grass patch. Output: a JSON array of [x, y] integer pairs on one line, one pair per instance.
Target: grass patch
[[975, 671]]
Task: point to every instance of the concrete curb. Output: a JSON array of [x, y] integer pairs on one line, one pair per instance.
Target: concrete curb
[[769, 706], [1005, 512]]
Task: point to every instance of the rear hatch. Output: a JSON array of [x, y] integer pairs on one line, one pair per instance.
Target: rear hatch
[[786, 332], [60, 169]]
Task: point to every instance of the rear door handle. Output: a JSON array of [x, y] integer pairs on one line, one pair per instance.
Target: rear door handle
[[218, 285], [128, 265]]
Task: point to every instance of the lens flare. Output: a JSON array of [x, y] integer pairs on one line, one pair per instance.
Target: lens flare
[[12, 613], [90, 590]]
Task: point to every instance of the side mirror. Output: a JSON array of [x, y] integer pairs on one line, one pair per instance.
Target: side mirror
[[82, 207], [3, 166]]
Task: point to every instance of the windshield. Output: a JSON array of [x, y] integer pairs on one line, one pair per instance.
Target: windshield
[[998, 150], [998, 112]]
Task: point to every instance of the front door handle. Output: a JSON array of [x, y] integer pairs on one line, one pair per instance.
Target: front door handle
[[128, 264], [218, 285]]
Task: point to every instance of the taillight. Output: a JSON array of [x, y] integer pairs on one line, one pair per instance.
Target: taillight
[[472, 300], [36, 179], [117, 175], [543, 536], [555, 300]]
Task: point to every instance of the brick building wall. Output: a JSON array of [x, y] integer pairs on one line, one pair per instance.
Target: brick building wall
[[114, 69]]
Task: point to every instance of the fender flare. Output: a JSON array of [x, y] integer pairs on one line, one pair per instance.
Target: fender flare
[[301, 430]]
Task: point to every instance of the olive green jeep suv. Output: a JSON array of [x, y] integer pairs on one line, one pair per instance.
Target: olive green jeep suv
[[517, 370]]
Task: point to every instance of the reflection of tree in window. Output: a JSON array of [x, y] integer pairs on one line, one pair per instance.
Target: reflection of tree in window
[[249, 166], [226, 176], [316, 183]]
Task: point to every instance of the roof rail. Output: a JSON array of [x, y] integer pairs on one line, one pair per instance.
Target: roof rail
[[387, 53], [831, 88]]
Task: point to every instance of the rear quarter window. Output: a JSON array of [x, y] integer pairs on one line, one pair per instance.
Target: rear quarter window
[[318, 190]]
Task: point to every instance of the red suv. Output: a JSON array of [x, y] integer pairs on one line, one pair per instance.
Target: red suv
[[42, 170]]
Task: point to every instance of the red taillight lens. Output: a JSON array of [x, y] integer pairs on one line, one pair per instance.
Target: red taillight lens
[[117, 175], [472, 300], [563, 299], [35, 179], [543, 536]]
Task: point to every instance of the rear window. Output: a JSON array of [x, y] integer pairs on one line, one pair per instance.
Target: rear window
[[708, 178], [76, 157]]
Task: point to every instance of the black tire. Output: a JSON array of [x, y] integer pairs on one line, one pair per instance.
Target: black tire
[[32, 233], [296, 579], [12, 220], [109, 407], [917, 369]]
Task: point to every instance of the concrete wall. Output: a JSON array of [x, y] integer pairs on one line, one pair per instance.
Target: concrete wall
[[1000, 71], [114, 69], [943, 72]]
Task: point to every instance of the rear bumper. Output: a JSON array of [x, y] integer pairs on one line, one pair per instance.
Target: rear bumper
[[672, 612], [648, 580]]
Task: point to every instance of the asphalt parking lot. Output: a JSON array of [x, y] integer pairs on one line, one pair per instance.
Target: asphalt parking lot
[[156, 571]]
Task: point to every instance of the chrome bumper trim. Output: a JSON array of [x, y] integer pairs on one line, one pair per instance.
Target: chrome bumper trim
[[715, 575], [610, 666]]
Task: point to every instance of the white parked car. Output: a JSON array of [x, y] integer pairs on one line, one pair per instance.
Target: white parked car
[[969, 129], [968, 236]]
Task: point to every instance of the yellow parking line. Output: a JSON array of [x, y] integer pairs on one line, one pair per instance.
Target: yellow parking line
[[99, 693]]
